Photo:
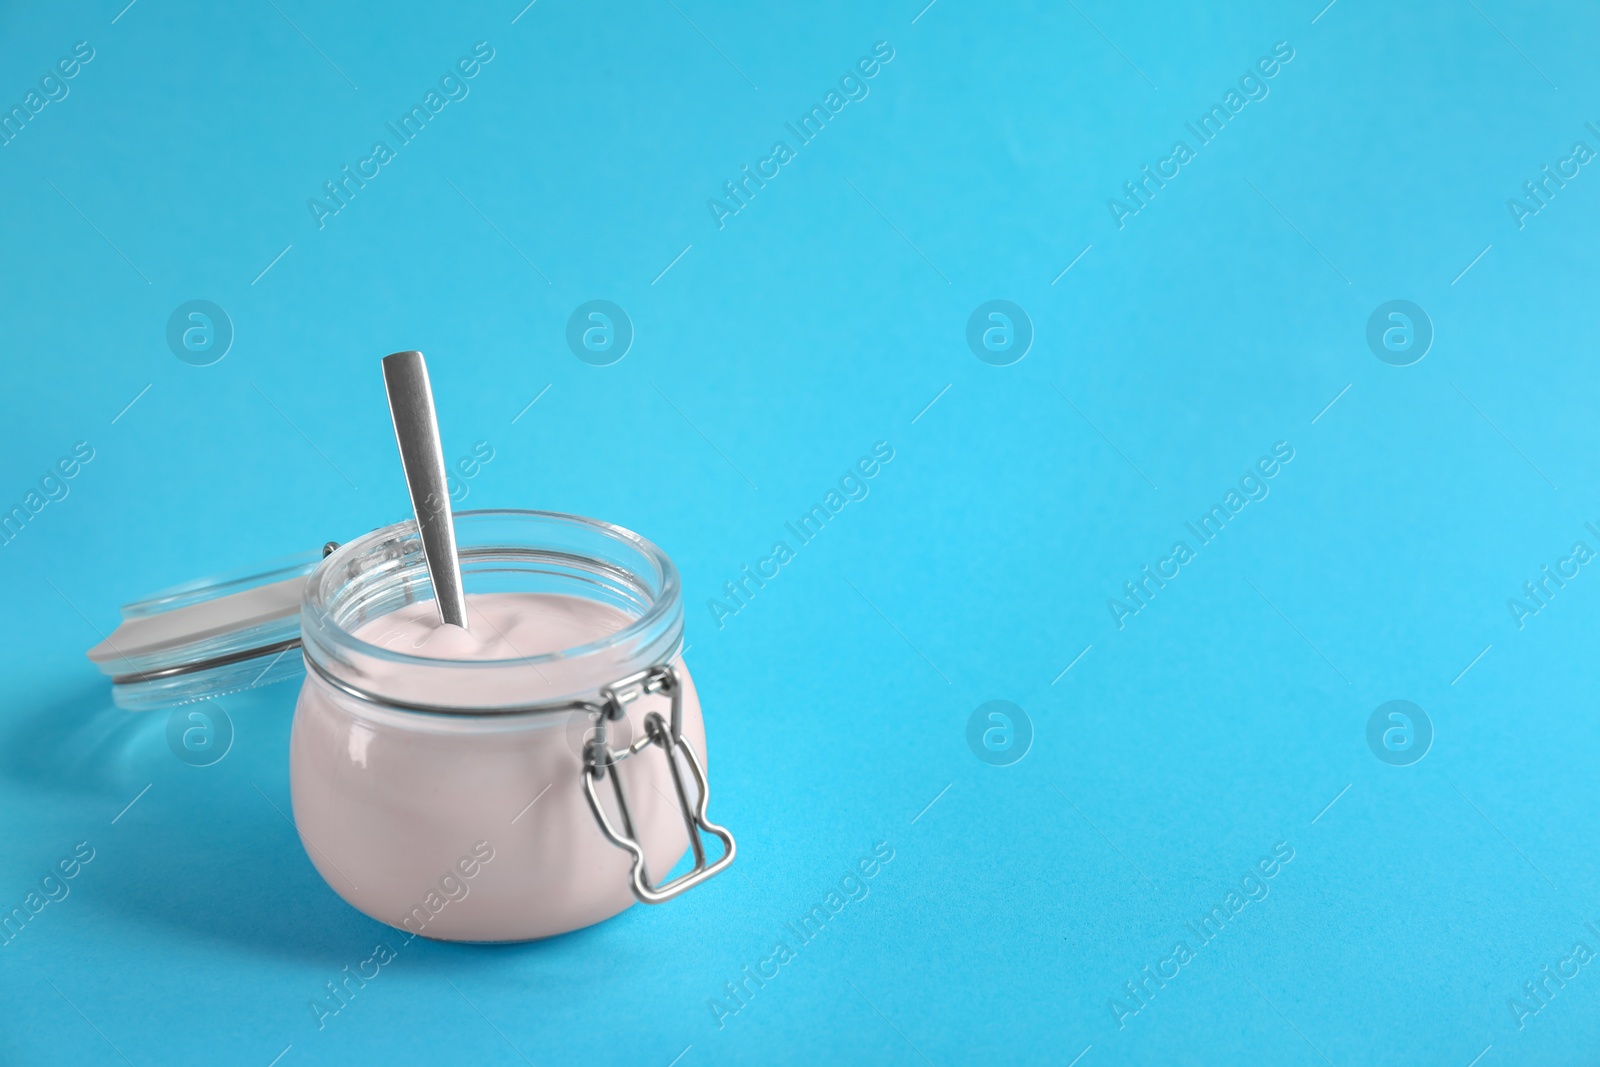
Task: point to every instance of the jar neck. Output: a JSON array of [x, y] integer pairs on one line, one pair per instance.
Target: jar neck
[[501, 551]]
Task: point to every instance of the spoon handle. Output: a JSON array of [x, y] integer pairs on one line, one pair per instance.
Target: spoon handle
[[416, 428]]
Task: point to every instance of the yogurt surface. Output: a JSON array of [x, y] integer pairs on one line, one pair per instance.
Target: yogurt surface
[[500, 626]]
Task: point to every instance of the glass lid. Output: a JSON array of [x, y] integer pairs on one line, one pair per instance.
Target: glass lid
[[210, 637]]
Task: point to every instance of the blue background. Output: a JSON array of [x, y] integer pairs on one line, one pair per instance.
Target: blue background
[[1176, 752]]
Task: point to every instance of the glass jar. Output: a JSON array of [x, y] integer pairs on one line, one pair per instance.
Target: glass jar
[[509, 799]]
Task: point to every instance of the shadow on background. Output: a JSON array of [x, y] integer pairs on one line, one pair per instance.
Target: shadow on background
[[79, 743]]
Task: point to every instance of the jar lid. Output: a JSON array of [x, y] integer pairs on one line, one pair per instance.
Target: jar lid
[[207, 638]]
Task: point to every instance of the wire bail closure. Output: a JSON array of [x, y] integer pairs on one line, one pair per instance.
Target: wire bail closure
[[599, 758]]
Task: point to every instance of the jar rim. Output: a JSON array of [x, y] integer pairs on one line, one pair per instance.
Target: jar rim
[[327, 579]]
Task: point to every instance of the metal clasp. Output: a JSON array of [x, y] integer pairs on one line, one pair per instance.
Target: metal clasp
[[598, 758]]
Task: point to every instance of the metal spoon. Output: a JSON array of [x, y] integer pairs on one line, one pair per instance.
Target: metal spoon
[[416, 428]]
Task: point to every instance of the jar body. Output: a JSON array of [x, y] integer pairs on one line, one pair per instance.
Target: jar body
[[475, 827], [447, 797]]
